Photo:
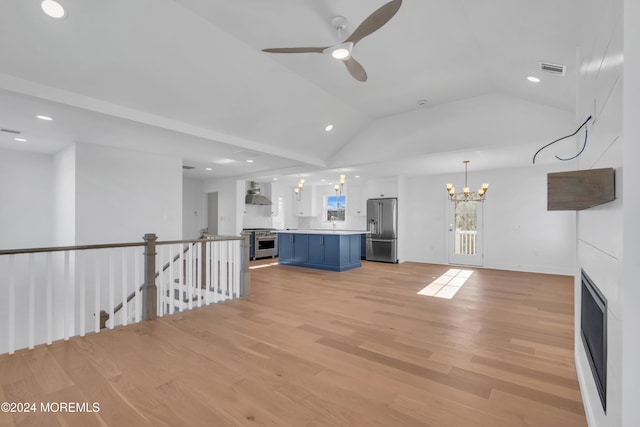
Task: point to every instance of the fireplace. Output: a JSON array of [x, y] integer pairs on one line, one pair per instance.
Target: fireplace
[[593, 329]]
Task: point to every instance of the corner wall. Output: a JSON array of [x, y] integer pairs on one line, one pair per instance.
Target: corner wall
[[630, 223], [600, 229]]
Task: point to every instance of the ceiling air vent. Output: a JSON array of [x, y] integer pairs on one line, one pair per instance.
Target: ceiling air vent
[[188, 167], [557, 69], [10, 131]]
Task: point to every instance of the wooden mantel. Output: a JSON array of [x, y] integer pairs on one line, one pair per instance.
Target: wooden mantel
[[578, 190]]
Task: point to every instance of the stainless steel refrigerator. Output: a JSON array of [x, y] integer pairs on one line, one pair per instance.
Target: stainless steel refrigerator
[[382, 225]]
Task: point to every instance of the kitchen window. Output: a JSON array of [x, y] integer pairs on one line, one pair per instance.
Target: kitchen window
[[336, 206]]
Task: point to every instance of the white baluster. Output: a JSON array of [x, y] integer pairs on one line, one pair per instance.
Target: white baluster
[[112, 319], [12, 305], [137, 280], [207, 282], [160, 280], [49, 301], [238, 266], [198, 265], [97, 287], [181, 279], [65, 293], [81, 274], [171, 296], [125, 292], [32, 301], [189, 278], [215, 275], [224, 279]]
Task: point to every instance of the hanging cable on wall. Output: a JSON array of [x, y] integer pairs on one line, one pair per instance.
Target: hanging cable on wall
[[565, 137]]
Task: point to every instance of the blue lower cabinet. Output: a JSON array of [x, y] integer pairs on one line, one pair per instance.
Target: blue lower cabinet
[[285, 246], [337, 252], [300, 248]]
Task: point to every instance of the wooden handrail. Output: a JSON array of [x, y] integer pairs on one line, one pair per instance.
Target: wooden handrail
[[69, 248], [110, 245]]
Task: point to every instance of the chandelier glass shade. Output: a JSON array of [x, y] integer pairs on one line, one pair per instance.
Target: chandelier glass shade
[[466, 195]]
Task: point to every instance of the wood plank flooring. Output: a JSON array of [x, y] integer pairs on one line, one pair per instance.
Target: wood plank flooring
[[318, 348]]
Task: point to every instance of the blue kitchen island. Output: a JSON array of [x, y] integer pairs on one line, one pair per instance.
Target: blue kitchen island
[[324, 249]]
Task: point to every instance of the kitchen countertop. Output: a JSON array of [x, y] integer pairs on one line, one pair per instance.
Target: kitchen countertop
[[323, 231]]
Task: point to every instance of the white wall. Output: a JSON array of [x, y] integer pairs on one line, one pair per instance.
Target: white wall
[[230, 204], [600, 229], [26, 188], [123, 194], [631, 225], [193, 208], [64, 197], [519, 233]]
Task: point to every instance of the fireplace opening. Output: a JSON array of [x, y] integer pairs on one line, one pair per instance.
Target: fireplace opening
[[593, 329]]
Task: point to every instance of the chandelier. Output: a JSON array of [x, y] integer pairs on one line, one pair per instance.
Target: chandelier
[[466, 195]]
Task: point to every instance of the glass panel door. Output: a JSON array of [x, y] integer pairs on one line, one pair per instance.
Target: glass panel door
[[465, 244]]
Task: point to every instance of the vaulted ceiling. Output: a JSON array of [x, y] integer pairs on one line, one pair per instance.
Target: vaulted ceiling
[[189, 78]]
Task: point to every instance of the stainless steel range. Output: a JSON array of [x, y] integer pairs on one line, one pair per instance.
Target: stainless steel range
[[264, 243]]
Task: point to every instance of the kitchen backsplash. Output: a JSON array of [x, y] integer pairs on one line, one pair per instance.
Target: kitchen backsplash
[[352, 223], [257, 216]]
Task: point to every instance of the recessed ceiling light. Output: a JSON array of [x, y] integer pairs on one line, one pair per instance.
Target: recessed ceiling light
[[422, 102], [208, 169], [46, 118], [275, 179], [357, 176], [20, 139], [53, 9], [328, 128], [249, 161], [533, 79]]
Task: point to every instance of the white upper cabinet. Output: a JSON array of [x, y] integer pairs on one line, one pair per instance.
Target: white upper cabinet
[[306, 205], [356, 200]]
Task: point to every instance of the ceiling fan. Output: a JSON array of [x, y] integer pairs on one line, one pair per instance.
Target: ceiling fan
[[342, 51]]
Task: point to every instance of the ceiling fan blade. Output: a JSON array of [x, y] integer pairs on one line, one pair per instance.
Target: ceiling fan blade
[[355, 69], [296, 50], [374, 21]]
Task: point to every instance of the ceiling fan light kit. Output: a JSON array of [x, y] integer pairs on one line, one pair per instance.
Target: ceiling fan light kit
[[342, 51]]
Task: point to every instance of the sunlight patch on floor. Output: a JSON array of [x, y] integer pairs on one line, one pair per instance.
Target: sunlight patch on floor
[[447, 285], [263, 265]]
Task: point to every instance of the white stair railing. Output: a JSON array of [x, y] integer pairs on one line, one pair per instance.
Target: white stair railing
[[49, 294], [205, 273]]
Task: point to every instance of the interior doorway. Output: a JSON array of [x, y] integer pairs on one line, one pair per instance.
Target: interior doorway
[[465, 233], [212, 216]]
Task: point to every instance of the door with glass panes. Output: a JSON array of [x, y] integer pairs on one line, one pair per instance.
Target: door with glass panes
[[465, 233]]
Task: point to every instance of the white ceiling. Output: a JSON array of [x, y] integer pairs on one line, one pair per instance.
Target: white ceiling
[[188, 78]]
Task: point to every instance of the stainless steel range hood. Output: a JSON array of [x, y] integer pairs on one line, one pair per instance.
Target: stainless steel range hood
[[254, 197]]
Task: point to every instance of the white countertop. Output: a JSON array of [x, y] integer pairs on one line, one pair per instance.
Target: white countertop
[[319, 231]]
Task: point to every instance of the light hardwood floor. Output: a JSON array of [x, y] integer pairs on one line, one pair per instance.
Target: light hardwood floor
[[316, 348]]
